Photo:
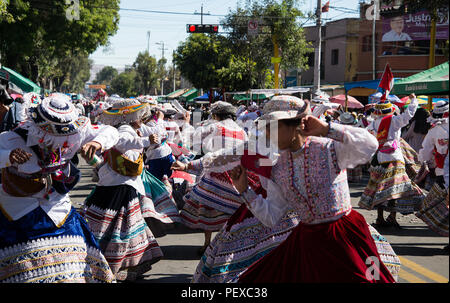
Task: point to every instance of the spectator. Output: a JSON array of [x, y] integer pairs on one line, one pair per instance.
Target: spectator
[[418, 129]]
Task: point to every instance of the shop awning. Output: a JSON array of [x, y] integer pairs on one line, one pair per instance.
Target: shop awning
[[177, 93], [26, 85], [433, 81], [363, 88], [254, 97], [189, 96]]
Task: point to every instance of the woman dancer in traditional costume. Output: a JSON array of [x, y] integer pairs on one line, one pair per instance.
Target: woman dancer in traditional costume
[[113, 209], [42, 237], [213, 199], [434, 209], [389, 187], [333, 242]]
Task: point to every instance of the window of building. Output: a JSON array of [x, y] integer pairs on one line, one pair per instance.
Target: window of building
[[334, 56]]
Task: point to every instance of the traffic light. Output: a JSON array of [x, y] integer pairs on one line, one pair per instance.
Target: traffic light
[[202, 28]]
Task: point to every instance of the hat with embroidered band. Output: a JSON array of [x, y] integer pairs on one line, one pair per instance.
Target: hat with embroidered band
[[57, 116], [284, 107], [124, 111], [383, 109]]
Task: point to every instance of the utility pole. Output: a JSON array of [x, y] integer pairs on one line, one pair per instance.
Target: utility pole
[[431, 58], [201, 14], [318, 47], [173, 69], [374, 41], [162, 78], [148, 42]]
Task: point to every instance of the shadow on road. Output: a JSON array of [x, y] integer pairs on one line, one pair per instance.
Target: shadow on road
[[181, 252], [417, 249], [407, 231], [177, 278]]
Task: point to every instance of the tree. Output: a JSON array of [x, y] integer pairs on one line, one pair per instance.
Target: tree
[[125, 84], [162, 73], [106, 75], [146, 72], [237, 76], [79, 72], [276, 20], [200, 57], [44, 34]]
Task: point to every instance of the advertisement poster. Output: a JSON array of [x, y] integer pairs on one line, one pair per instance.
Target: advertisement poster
[[414, 27]]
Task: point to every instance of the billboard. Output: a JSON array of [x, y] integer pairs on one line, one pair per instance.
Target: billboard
[[415, 26]]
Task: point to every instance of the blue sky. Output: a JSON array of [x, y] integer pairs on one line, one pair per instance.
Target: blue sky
[[131, 38]]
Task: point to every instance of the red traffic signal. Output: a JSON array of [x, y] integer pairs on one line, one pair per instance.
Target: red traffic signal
[[202, 28]]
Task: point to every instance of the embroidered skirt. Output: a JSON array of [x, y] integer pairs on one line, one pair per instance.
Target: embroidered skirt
[[34, 250], [158, 202], [240, 243], [434, 210], [114, 215], [341, 251], [387, 254], [412, 163], [390, 187], [210, 203]]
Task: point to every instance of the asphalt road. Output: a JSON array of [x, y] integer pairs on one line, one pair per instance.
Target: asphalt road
[[419, 248]]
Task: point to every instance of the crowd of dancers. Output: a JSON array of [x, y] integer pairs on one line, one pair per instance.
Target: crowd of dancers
[[281, 209]]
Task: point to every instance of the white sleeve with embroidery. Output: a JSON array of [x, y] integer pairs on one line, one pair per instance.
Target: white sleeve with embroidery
[[354, 145], [270, 210]]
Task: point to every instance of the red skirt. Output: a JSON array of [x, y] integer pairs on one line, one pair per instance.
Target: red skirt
[[323, 253]]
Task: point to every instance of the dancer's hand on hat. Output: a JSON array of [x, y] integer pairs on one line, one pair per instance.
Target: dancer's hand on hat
[[89, 149], [179, 166], [312, 126], [19, 156], [187, 116], [160, 115], [154, 138], [239, 177]]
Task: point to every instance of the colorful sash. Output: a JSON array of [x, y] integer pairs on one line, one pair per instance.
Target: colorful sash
[[382, 135], [122, 165]]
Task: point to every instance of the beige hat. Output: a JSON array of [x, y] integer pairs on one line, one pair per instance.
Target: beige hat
[[284, 107]]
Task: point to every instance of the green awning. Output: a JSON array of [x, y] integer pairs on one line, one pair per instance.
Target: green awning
[[433, 81], [190, 95], [176, 94], [246, 97], [25, 84]]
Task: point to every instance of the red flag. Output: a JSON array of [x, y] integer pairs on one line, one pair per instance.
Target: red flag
[[386, 82], [326, 7]]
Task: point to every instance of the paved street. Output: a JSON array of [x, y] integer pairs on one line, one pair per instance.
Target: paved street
[[419, 249]]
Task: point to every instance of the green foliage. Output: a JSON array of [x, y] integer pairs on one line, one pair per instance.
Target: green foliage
[[237, 76], [200, 57], [146, 72], [277, 20], [430, 6], [125, 84], [106, 75], [40, 37]]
